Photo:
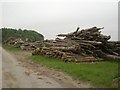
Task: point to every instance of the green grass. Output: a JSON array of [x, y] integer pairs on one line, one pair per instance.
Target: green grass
[[98, 74], [11, 48]]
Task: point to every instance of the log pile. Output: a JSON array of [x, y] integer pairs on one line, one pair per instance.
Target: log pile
[[86, 45], [19, 43], [14, 42]]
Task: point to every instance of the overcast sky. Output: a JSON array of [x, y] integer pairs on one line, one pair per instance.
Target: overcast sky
[[51, 17]]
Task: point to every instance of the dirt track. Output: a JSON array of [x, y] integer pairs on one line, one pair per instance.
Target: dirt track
[[18, 72]]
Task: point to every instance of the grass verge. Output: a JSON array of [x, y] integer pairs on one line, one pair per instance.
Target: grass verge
[[98, 74], [11, 48]]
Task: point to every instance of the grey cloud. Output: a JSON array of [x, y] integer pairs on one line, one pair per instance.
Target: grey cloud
[[53, 17]]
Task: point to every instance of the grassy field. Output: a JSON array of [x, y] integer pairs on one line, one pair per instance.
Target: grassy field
[[98, 74]]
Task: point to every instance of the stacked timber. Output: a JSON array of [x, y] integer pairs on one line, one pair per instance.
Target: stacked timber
[[19, 43], [86, 45], [14, 42]]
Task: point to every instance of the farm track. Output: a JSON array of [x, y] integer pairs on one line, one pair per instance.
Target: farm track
[[19, 72]]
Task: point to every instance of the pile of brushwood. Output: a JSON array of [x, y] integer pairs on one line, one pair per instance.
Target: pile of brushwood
[[86, 45]]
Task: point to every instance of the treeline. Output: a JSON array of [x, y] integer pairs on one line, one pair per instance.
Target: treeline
[[19, 33]]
